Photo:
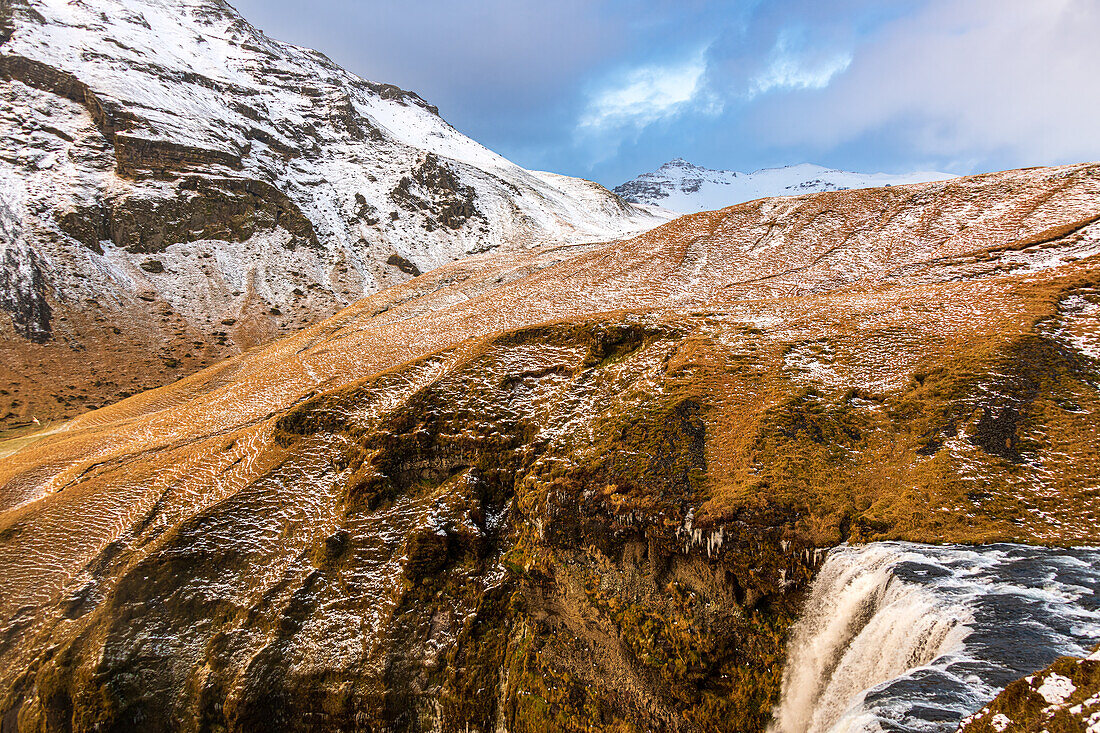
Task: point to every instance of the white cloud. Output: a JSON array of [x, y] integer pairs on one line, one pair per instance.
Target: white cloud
[[999, 80], [788, 69], [645, 95]]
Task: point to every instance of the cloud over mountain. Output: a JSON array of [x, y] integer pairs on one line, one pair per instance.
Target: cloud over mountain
[[608, 89]]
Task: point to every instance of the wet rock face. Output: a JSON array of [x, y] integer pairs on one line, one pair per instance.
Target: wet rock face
[[22, 283]]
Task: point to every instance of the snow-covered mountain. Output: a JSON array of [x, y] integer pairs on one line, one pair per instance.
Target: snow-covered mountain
[[686, 188], [208, 188]]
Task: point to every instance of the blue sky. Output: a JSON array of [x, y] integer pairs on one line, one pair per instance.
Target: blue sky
[[608, 89]]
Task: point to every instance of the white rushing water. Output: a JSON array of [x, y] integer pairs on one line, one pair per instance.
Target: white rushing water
[[903, 637]]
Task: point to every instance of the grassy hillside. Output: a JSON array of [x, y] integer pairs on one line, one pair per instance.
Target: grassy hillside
[[570, 489]]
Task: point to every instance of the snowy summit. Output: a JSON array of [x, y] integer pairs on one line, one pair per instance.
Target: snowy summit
[[686, 188]]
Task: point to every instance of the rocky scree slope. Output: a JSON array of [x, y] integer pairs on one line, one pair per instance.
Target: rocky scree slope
[[176, 187], [687, 188], [573, 488]]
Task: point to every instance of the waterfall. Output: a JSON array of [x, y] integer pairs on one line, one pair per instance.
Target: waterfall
[[910, 637], [861, 626]]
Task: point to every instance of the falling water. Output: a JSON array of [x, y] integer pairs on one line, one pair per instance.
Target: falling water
[[905, 637]]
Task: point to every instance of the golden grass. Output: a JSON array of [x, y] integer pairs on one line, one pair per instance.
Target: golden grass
[[735, 388]]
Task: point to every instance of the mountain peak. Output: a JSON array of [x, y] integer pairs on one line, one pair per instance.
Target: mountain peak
[[680, 164], [684, 187], [260, 174]]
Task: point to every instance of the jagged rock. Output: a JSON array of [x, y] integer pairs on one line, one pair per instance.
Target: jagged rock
[[403, 264], [201, 208], [563, 489], [434, 189], [22, 283], [173, 127]]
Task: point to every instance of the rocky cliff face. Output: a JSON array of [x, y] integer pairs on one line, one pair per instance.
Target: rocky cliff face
[[573, 488], [176, 187]]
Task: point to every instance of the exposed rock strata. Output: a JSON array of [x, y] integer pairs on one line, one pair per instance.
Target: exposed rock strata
[[174, 127], [575, 488]]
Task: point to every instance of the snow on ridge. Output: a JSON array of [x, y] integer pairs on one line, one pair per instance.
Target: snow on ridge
[[687, 188], [371, 167], [195, 72]]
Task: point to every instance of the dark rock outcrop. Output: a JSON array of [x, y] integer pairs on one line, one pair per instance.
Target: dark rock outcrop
[[135, 127], [432, 188], [562, 489], [23, 294], [227, 209]]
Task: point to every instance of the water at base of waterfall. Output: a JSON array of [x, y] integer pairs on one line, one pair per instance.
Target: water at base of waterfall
[[902, 637]]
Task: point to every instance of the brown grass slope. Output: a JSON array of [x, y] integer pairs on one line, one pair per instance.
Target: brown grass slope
[[573, 488]]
